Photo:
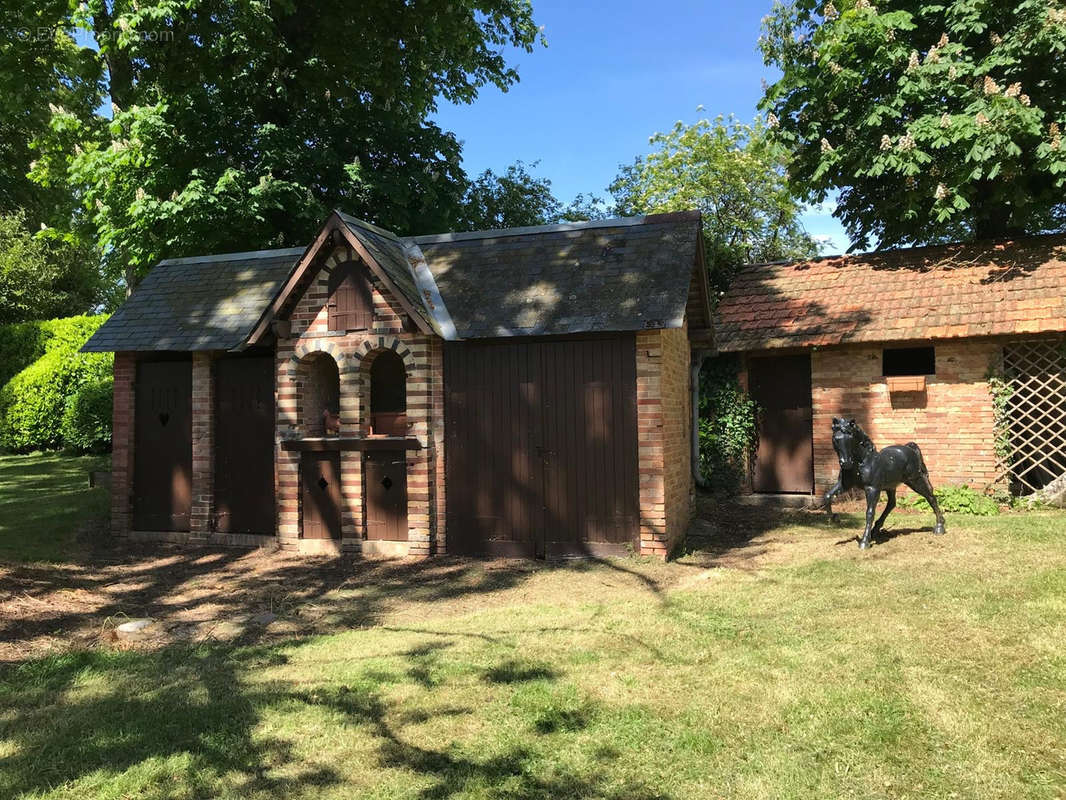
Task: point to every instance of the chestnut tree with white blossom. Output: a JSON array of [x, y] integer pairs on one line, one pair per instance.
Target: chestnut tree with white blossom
[[928, 121]]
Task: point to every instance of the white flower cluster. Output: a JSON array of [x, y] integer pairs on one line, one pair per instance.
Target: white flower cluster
[[835, 68], [772, 121], [1014, 90], [830, 11], [1056, 135], [981, 119], [941, 191], [913, 62], [945, 120], [990, 86], [826, 147], [886, 142], [906, 143]]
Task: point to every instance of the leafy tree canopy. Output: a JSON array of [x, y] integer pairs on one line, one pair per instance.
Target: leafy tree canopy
[[512, 200], [239, 125], [42, 277], [732, 173], [933, 121]]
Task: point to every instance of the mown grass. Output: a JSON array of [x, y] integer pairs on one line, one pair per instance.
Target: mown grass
[[44, 498], [927, 667]]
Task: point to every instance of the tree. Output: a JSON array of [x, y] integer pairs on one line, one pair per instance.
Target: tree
[[512, 200], [933, 121], [41, 278], [732, 173], [239, 125]]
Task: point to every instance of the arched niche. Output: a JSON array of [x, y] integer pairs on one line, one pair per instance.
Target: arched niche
[[321, 393], [388, 395]]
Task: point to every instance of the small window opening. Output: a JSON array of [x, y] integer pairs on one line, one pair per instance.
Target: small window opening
[[900, 361], [388, 395]]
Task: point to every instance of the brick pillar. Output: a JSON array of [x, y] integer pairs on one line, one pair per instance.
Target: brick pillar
[[650, 441], [203, 449], [438, 541], [125, 372]]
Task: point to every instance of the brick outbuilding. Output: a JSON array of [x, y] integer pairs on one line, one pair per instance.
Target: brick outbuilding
[[906, 342], [517, 392]]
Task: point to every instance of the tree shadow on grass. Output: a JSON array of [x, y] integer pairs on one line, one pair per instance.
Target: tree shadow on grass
[[187, 721]]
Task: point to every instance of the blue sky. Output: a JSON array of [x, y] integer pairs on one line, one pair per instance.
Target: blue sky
[[612, 75]]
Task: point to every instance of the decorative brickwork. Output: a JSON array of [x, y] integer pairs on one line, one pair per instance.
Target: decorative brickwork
[[952, 420], [354, 352], [663, 413]]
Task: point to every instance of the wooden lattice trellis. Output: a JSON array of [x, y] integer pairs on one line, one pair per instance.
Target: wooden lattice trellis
[[1033, 439]]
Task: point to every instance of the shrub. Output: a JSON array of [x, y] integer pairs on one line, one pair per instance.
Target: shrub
[[958, 500], [22, 343], [728, 424], [86, 423], [33, 401]]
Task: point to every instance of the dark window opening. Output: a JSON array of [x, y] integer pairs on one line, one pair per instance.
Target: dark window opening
[[351, 303], [388, 395], [909, 361]]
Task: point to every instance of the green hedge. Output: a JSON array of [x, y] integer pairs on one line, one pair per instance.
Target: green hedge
[[87, 420], [35, 399], [22, 343]]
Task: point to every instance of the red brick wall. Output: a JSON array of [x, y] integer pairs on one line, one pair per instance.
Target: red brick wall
[[125, 372], [203, 445], [952, 421], [663, 426]]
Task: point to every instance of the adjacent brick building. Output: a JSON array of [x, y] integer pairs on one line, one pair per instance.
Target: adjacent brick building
[[904, 342], [516, 392]]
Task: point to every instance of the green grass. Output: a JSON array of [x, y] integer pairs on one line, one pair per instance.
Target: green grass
[[44, 497], [789, 665]]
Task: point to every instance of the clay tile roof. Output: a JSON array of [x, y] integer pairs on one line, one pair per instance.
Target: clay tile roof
[[198, 303], [947, 292]]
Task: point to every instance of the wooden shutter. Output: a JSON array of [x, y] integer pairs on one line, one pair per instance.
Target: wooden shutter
[[351, 304]]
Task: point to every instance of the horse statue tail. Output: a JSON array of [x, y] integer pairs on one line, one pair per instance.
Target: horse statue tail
[[921, 461]]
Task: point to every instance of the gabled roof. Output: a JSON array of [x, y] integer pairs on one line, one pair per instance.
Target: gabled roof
[[199, 303], [608, 275], [952, 291]]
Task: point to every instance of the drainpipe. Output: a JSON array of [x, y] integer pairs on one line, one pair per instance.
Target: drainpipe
[[698, 357]]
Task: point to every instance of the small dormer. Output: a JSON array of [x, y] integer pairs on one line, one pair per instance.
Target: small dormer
[[351, 299]]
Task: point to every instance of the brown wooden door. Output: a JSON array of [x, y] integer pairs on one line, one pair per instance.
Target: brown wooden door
[[784, 461], [320, 477], [244, 445], [385, 474], [162, 449], [541, 455]]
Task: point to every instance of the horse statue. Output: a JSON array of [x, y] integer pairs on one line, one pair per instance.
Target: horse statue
[[861, 464]]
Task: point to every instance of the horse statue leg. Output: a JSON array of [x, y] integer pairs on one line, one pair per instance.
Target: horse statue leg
[[888, 507], [872, 496], [924, 487], [827, 501]]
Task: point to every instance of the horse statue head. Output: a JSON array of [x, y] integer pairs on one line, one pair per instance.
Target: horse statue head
[[851, 443]]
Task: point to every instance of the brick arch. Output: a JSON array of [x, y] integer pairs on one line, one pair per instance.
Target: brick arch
[[310, 347], [361, 357]]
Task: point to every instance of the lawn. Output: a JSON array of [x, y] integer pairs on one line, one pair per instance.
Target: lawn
[[773, 660], [44, 500]]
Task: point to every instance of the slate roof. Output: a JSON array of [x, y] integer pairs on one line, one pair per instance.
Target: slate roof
[[953, 291], [609, 275], [198, 303]]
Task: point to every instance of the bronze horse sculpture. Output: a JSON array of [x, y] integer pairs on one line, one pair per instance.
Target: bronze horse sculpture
[[863, 465]]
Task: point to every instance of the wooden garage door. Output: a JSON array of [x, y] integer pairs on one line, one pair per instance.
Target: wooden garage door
[[162, 448], [244, 445], [541, 450], [784, 461]]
